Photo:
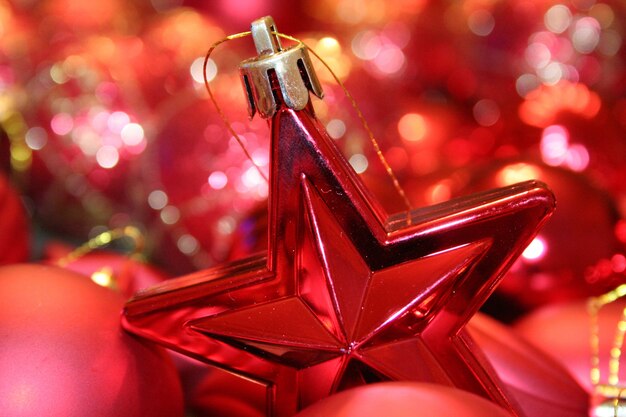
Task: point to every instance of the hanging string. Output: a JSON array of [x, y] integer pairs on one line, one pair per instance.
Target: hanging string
[[616, 402], [104, 239], [366, 126], [218, 108]]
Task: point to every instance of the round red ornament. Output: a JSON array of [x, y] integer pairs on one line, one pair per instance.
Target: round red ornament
[[403, 399], [563, 331], [63, 352], [540, 384], [205, 182], [125, 273], [557, 265]]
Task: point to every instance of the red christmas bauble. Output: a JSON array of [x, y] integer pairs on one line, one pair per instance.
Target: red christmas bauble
[[63, 352], [205, 183], [580, 234], [563, 331], [541, 385], [14, 230], [111, 269], [403, 399]]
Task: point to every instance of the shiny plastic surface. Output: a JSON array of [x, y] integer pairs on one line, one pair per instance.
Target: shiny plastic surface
[[345, 295]]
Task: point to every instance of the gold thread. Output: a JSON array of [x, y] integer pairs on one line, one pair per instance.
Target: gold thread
[[353, 102], [218, 108], [616, 351], [616, 402], [593, 307], [366, 126], [104, 239]]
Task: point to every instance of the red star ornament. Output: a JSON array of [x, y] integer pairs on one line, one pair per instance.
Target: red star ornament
[[346, 294]]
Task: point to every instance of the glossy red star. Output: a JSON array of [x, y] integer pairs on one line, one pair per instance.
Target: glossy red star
[[346, 295]]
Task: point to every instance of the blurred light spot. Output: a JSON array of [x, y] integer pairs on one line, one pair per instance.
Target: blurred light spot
[[74, 66], [99, 118], [262, 191], [36, 138], [21, 156], [390, 60], [577, 158], [412, 127], [132, 134], [439, 192], [260, 157], [107, 156], [87, 140], [251, 178], [187, 244], [526, 83], [57, 74], [329, 49], [481, 22], [535, 251], [586, 35], [103, 277], [558, 18], [170, 215], [551, 73], [62, 124], [117, 120], [359, 163], [197, 66], [618, 263], [554, 144], [514, 173], [486, 112], [537, 55], [157, 199], [570, 73], [226, 225], [543, 105], [336, 128], [328, 45], [218, 180], [366, 45]]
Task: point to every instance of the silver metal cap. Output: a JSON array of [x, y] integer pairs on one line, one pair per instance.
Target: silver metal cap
[[293, 68]]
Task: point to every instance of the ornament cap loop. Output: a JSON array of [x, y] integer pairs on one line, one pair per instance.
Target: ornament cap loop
[[291, 67], [264, 35]]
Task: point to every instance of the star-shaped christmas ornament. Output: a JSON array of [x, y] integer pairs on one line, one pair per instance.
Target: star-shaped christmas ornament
[[345, 295]]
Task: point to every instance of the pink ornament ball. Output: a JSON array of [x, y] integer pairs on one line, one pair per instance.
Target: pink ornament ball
[[403, 399], [541, 384], [64, 354]]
